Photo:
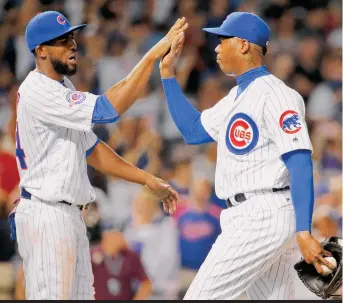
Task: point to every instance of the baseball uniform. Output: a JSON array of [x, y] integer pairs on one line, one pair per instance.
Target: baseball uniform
[[262, 142], [53, 139], [255, 250]]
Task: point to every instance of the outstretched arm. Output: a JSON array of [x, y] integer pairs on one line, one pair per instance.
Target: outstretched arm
[[186, 117], [104, 159], [123, 94]]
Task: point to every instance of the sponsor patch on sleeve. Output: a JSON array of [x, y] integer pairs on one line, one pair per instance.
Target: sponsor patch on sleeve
[[290, 122], [75, 98]]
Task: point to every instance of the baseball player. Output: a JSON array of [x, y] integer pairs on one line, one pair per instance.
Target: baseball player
[[263, 170], [55, 142]]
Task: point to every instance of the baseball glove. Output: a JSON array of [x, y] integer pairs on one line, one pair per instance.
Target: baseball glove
[[323, 286]]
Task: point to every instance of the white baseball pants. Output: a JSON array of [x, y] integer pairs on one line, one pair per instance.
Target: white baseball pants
[[53, 244], [254, 252]]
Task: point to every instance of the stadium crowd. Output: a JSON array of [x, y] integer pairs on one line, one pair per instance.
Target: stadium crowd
[[164, 252]]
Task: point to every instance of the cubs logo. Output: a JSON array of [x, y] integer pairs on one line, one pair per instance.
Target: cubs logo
[[241, 134], [75, 98], [61, 20], [289, 122]]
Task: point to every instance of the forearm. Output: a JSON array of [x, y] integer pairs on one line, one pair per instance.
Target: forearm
[[123, 94], [105, 160], [144, 291], [299, 164], [186, 117]]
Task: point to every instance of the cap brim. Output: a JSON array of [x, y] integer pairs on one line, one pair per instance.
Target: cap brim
[[71, 29], [216, 31], [74, 28]]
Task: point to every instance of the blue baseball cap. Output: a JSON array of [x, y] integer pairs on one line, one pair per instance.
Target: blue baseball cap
[[47, 26], [245, 26]]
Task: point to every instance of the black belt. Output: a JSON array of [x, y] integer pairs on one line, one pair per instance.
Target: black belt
[[26, 195], [241, 197]]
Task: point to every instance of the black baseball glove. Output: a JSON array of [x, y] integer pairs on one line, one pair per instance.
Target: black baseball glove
[[323, 286]]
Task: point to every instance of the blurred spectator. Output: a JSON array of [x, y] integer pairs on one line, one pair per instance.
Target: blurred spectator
[[154, 236], [118, 272], [198, 229], [6, 82], [325, 100], [307, 73], [198, 226], [116, 59], [9, 179]]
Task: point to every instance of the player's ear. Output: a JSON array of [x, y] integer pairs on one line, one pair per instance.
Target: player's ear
[[41, 51], [245, 46]]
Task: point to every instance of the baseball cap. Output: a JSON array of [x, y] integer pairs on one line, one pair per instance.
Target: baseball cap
[[245, 26], [47, 26]]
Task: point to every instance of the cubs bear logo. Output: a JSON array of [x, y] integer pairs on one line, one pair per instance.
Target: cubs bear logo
[[241, 134], [61, 20], [289, 122]]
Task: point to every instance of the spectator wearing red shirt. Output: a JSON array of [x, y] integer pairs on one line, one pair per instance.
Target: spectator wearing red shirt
[[118, 271]]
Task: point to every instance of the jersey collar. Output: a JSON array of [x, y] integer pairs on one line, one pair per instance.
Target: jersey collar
[[246, 78]]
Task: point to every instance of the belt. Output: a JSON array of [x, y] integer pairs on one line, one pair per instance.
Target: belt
[[26, 195], [239, 198]]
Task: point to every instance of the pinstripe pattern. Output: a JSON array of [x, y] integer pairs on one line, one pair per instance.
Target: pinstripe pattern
[[264, 100], [54, 140], [54, 247], [253, 252], [52, 240]]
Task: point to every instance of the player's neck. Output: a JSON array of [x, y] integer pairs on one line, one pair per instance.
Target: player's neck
[[49, 72], [247, 67], [251, 74]]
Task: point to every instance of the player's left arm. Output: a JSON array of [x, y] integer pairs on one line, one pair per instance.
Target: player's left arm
[[105, 160], [284, 115]]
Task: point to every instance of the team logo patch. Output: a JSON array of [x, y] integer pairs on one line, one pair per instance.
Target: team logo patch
[[289, 122], [75, 98], [61, 20], [242, 134]]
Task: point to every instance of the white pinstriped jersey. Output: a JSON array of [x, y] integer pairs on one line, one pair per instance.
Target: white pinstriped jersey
[[253, 131], [54, 131]]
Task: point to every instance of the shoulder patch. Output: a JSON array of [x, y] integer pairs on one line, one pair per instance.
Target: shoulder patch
[[290, 122], [75, 98]]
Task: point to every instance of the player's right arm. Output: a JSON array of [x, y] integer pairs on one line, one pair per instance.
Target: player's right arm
[[52, 103], [195, 127], [105, 160], [123, 94]]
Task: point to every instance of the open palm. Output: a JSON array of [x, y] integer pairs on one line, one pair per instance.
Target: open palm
[[169, 61]]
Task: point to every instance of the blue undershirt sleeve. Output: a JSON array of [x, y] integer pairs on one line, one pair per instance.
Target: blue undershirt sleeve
[[185, 116], [91, 149], [104, 112], [299, 165]]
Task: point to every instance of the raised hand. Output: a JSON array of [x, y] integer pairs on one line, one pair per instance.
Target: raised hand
[[169, 61], [163, 191], [163, 46]]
